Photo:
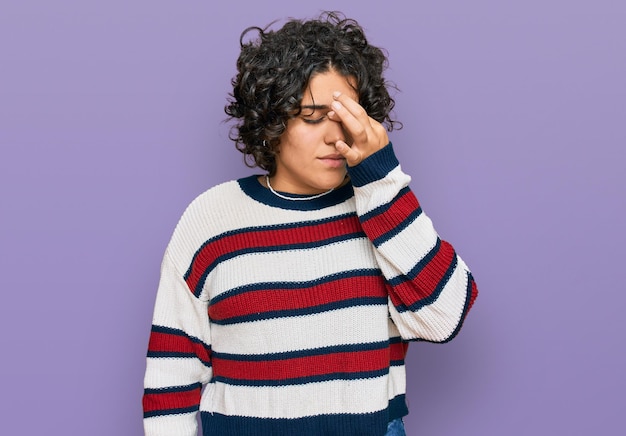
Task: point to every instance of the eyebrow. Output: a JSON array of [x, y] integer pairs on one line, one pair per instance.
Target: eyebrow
[[315, 106]]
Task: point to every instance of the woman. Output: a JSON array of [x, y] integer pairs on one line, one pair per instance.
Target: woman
[[287, 299]]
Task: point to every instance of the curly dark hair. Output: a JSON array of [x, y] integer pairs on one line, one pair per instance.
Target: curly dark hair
[[274, 71]]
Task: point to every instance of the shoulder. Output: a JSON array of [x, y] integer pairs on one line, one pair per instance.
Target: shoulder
[[213, 212], [213, 197]]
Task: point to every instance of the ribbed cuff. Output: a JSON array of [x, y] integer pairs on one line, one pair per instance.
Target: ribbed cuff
[[374, 167]]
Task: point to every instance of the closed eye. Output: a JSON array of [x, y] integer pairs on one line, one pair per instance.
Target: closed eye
[[314, 113], [314, 120]]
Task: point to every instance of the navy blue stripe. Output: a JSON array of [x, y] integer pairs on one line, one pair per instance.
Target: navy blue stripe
[[266, 249], [396, 362], [275, 286], [260, 229], [436, 292], [165, 412], [352, 302], [172, 389], [374, 423], [165, 354], [468, 295], [399, 228], [168, 330], [303, 353], [252, 188], [304, 380], [397, 407], [374, 167], [383, 207], [396, 340]]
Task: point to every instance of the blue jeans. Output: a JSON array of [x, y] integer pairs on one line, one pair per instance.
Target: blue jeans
[[395, 428]]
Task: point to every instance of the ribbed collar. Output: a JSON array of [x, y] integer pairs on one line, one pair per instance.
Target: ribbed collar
[[254, 189]]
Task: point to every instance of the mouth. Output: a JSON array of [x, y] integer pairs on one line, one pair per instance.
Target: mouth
[[333, 160], [333, 157]]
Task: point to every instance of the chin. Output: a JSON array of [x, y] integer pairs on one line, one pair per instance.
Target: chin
[[335, 182]]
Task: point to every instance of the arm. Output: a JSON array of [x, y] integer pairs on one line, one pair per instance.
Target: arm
[[430, 288], [178, 362]]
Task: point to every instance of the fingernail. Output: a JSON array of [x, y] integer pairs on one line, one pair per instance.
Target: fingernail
[[331, 114], [336, 94], [336, 105]]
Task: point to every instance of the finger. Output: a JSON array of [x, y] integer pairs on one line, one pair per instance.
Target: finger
[[355, 126], [363, 130], [352, 106], [352, 155]]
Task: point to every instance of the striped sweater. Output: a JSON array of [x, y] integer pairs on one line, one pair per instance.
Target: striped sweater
[[281, 317]]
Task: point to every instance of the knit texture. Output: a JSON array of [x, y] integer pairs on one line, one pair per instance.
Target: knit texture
[[280, 317]]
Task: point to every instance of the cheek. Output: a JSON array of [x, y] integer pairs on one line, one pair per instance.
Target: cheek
[[302, 139]]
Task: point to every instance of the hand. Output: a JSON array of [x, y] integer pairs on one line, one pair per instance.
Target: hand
[[368, 135]]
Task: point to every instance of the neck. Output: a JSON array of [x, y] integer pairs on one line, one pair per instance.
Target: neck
[[295, 197]]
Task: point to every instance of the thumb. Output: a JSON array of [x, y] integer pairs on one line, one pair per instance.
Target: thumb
[[353, 157]]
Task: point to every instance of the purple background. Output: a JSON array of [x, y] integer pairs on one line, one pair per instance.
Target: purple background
[[515, 127]]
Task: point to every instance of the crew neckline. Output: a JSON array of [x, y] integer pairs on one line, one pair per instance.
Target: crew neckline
[[253, 188]]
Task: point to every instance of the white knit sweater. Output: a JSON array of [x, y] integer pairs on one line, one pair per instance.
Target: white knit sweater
[[276, 316]]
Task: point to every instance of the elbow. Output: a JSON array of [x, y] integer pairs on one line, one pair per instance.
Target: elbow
[[441, 320]]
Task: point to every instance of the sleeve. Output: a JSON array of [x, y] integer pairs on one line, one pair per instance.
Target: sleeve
[[431, 290], [179, 357]]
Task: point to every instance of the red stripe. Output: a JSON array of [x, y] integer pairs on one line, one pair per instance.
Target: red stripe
[[473, 295], [428, 279], [164, 342], [171, 400], [398, 350], [383, 223], [348, 362], [268, 300], [267, 238]]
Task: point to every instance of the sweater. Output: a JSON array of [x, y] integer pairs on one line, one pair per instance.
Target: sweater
[[283, 317]]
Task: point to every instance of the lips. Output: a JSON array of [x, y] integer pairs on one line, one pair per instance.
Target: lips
[[333, 157], [333, 160]]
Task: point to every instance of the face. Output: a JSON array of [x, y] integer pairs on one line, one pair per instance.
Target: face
[[307, 161]]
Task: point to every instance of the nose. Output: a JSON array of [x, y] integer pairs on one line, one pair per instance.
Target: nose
[[335, 132]]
